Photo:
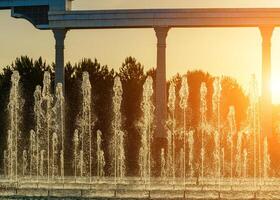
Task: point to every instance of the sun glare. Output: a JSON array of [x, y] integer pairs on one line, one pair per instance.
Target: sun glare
[[275, 90]]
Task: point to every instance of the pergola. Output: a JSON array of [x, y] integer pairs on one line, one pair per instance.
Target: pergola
[[56, 15]]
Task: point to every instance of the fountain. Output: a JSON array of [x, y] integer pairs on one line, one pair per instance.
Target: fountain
[[239, 154], [76, 153], [254, 126], [100, 156], [162, 164], [54, 154], [24, 163], [85, 123], [32, 152], [172, 126], [147, 108], [184, 95], [42, 160], [245, 163], [203, 125], [266, 159], [59, 126], [232, 131], [118, 137], [191, 142], [38, 121], [14, 107], [216, 101], [237, 167]]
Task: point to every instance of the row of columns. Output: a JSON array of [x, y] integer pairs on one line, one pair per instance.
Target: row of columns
[[161, 96]]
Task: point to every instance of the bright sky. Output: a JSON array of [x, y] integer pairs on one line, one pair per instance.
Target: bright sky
[[232, 51]]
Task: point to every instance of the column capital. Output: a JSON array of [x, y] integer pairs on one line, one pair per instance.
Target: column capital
[[266, 31], [59, 34], [161, 33]]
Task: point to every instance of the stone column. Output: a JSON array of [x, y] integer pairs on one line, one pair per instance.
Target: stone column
[[266, 98], [161, 108], [160, 140], [59, 35]]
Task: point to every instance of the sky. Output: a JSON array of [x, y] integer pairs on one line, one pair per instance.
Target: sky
[[233, 52]]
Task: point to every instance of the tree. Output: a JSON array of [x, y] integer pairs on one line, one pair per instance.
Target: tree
[[132, 77]]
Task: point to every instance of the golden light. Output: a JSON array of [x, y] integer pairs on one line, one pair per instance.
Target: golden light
[[275, 89]]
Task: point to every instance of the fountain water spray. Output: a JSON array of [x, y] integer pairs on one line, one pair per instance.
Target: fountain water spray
[[76, 153], [32, 152], [62, 164], [232, 131], [47, 100], [239, 154], [100, 156], [172, 123], [118, 137], [254, 123], [216, 101], [266, 159], [245, 163], [162, 164], [24, 163], [147, 108], [81, 163], [223, 161], [181, 163], [184, 95], [203, 124], [86, 124], [54, 154], [5, 163], [59, 108], [191, 142], [14, 107], [38, 121], [42, 160]]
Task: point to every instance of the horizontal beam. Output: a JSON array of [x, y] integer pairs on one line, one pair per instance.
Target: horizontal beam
[[7, 4], [149, 18]]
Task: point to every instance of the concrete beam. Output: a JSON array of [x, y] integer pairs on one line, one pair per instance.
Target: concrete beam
[[7, 4], [150, 18]]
